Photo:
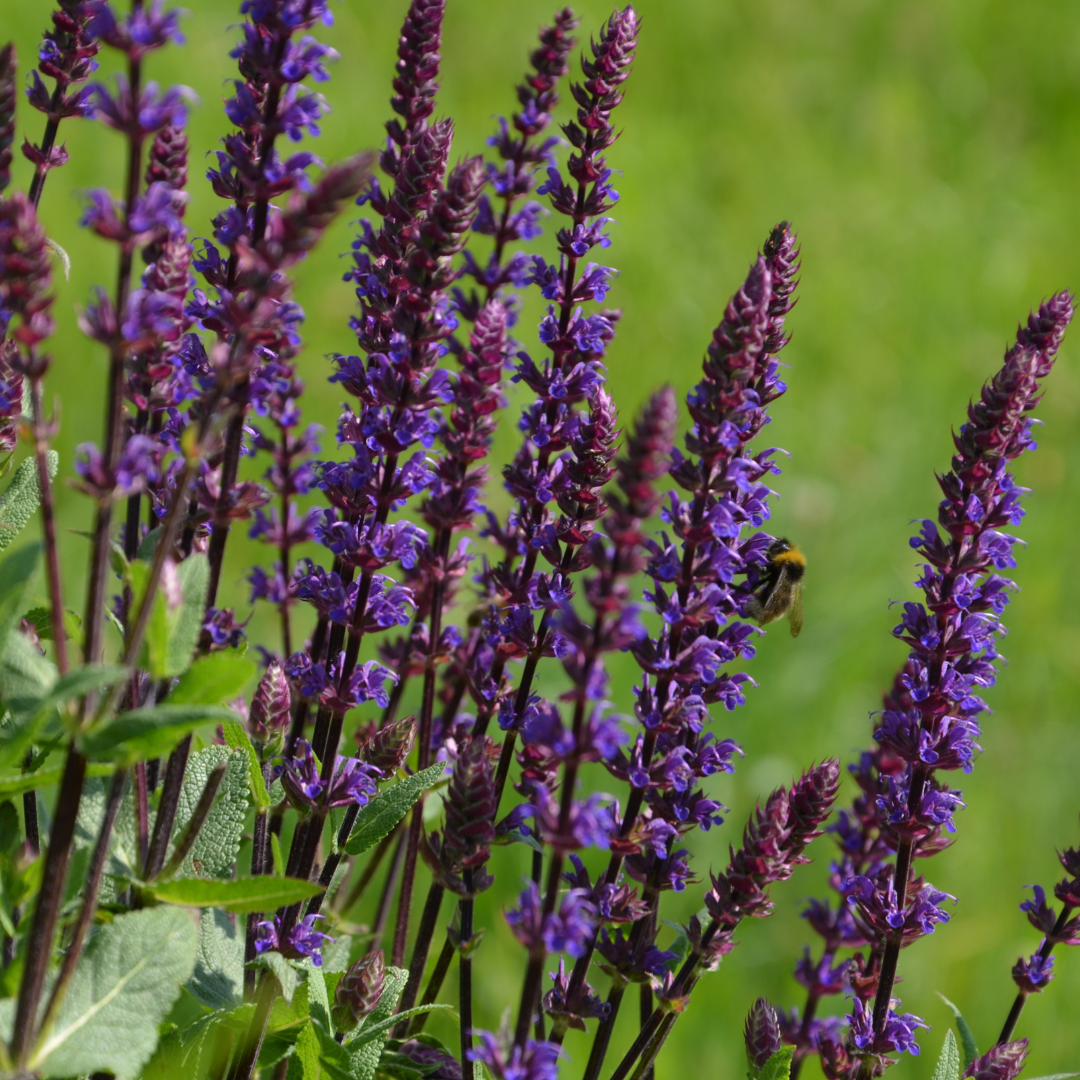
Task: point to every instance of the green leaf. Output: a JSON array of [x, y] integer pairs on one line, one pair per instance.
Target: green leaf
[[20, 501], [124, 986], [384, 811], [26, 677], [218, 843], [41, 618], [212, 680], [30, 713], [148, 545], [172, 631], [242, 895], [948, 1066], [967, 1039], [335, 957], [237, 738], [148, 733], [181, 1052], [304, 1063], [778, 1067], [218, 979], [373, 1031], [16, 785], [319, 1000], [281, 969], [364, 1057], [1056, 1076], [194, 574], [16, 576], [84, 680], [333, 1058]]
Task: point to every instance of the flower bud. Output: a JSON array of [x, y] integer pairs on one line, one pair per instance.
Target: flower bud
[[359, 990], [1002, 1062], [761, 1034], [270, 706], [388, 747]]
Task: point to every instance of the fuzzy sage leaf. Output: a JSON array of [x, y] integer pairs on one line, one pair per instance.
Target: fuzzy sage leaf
[[237, 738], [148, 733], [948, 1065], [967, 1038], [218, 843], [20, 501], [123, 988], [778, 1067], [218, 978], [241, 896], [384, 811]]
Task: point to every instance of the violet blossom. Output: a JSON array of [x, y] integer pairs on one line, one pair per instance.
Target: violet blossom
[[300, 941]]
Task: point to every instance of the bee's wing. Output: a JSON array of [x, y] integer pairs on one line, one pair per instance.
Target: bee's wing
[[795, 618], [776, 601]]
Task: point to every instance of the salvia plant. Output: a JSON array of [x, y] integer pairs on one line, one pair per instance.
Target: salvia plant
[[183, 905]]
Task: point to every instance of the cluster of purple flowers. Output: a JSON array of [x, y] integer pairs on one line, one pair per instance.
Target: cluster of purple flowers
[[930, 724]]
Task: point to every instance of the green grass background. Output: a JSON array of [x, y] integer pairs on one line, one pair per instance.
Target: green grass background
[[927, 152]]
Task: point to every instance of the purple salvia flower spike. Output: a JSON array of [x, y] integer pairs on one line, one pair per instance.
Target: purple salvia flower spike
[[66, 55], [700, 605], [1005, 1061], [953, 638], [417, 80], [772, 848], [469, 832], [25, 274], [535, 1060], [930, 723]]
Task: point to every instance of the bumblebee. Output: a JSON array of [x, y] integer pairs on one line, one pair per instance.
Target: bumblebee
[[779, 592]]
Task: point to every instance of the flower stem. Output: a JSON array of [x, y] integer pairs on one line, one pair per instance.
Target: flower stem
[[326, 877], [198, 819], [99, 559], [90, 895], [382, 915], [1044, 954], [465, 973], [167, 805], [602, 1038], [47, 910], [416, 824], [48, 140], [259, 841], [369, 871], [438, 974], [422, 946], [48, 526], [244, 1066]]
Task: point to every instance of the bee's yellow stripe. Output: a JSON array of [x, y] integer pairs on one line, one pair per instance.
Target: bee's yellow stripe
[[794, 555]]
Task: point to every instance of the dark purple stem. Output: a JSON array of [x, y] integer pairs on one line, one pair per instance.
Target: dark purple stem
[[1044, 954], [198, 819], [465, 973], [90, 895], [99, 559]]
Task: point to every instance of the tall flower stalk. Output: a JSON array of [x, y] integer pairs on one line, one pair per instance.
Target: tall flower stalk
[[931, 720]]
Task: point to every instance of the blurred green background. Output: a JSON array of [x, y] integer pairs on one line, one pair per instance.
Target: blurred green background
[[927, 151]]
